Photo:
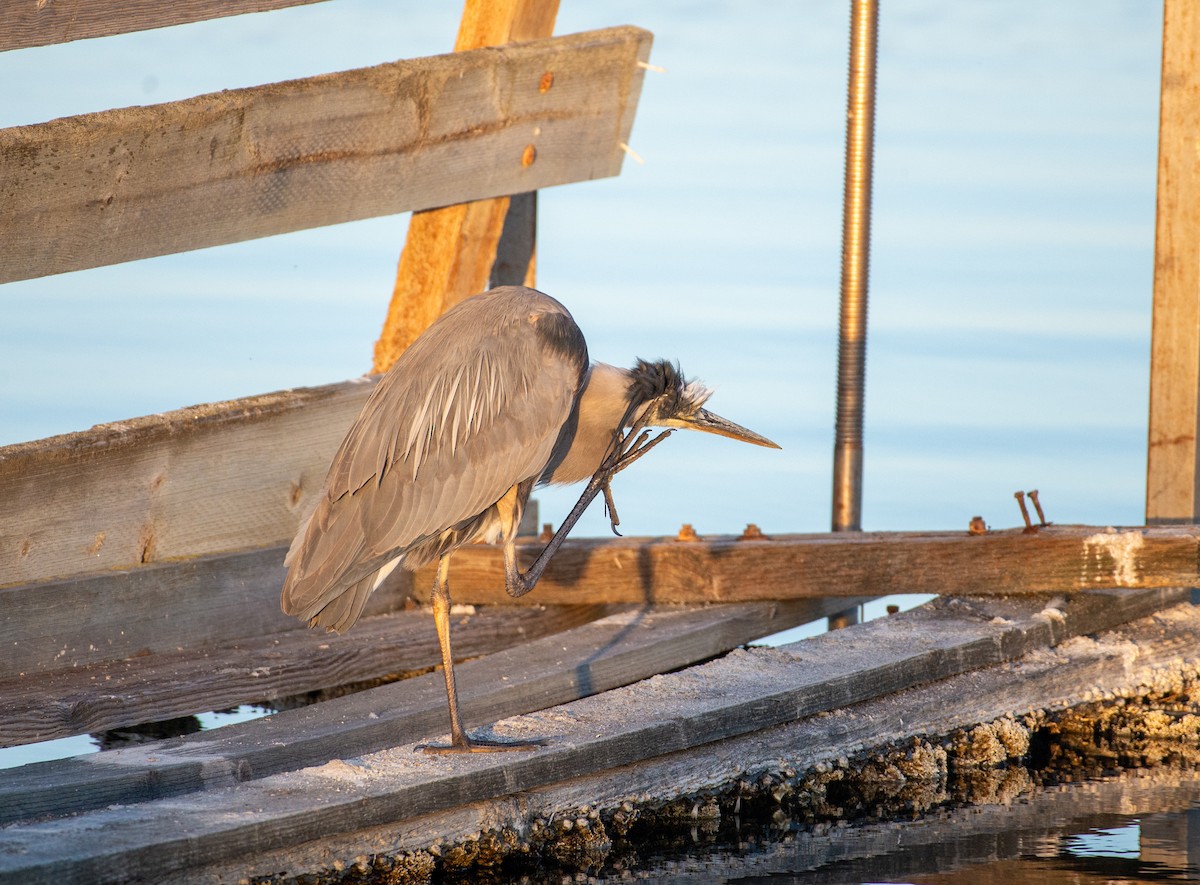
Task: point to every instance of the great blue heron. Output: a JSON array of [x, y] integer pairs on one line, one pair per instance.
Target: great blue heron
[[495, 397]]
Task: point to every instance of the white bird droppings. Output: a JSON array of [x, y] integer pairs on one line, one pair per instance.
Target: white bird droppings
[[1122, 548]]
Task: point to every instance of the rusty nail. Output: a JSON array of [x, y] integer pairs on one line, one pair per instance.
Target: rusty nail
[[546, 82], [1020, 496], [687, 533], [528, 155], [1033, 496], [547, 534], [752, 533]]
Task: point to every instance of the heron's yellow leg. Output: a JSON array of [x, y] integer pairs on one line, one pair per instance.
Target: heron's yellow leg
[[460, 741]]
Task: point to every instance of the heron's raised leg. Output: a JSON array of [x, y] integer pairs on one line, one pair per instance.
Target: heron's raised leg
[[460, 741], [627, 448]]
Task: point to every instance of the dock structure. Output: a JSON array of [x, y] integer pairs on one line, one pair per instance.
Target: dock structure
[[158, 599]]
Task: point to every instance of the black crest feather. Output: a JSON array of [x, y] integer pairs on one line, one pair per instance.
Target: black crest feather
[[659, 380]]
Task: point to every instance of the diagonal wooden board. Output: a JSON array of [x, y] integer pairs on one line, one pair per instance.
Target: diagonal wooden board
[[42, 706], [131, 183], [734, 695], [203, 480], [41, 24], [595, 657]]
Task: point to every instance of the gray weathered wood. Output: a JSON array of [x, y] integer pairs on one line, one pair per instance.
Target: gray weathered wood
[[735, 695], [1173, 457], [592, 658], [1120, 661], [136, 182], [206, 479], [24, 24], [192, 604], [182, 681]]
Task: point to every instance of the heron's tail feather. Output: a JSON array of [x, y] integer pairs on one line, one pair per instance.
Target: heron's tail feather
[[330, 574], [343, 611]]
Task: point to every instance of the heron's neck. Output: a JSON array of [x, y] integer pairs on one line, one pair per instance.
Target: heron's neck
[[601, 407]]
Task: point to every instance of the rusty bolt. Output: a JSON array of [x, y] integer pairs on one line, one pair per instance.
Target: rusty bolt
[[752, 533], [687, 533], [1033, 496], [977, 526], [1020, 496]]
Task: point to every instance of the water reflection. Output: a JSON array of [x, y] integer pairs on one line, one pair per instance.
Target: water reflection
[[1137, 826]]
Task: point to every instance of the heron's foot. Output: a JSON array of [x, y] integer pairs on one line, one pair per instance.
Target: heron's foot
[[467, 744], [631, 451]]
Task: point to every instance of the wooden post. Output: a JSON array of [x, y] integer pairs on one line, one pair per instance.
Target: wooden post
[[1173, 461], [450, 252]]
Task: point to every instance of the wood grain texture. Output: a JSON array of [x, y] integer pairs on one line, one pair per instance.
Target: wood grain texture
[[201, 480], [741, 693], [595, 657], [209, 600], [450, 252], [131, 183], [24, 23], [1056, 559], [68, 700], [1173, 465]]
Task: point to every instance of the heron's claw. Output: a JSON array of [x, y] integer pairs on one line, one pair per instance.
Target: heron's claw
[[469, 744], [610, 507]]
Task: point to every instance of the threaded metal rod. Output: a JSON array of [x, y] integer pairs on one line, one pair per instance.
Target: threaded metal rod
[[856, 242]]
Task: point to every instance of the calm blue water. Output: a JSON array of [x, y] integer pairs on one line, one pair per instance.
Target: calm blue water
[[1010, 285]]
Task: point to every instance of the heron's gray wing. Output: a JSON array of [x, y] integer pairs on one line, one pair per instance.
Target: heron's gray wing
[[473, 407]]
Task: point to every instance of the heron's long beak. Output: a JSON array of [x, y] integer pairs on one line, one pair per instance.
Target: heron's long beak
[[710, 423]]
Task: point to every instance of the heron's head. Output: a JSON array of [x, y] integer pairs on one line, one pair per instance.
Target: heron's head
[[667, 399]]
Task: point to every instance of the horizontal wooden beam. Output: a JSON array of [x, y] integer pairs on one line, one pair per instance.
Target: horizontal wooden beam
[[24, 24], [734, 695], [1054, 559], [208, 601], [612, 651], [202, 480], [136, 182]]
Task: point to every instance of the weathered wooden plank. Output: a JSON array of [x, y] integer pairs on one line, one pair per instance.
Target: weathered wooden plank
[[726, 569], [1173, 460], [1121, 661], [211, 600], [449, 252], [612, 651], [24, 24], [740, 693], [206, 479], [121, 614], [131, 183], [65, 701]]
